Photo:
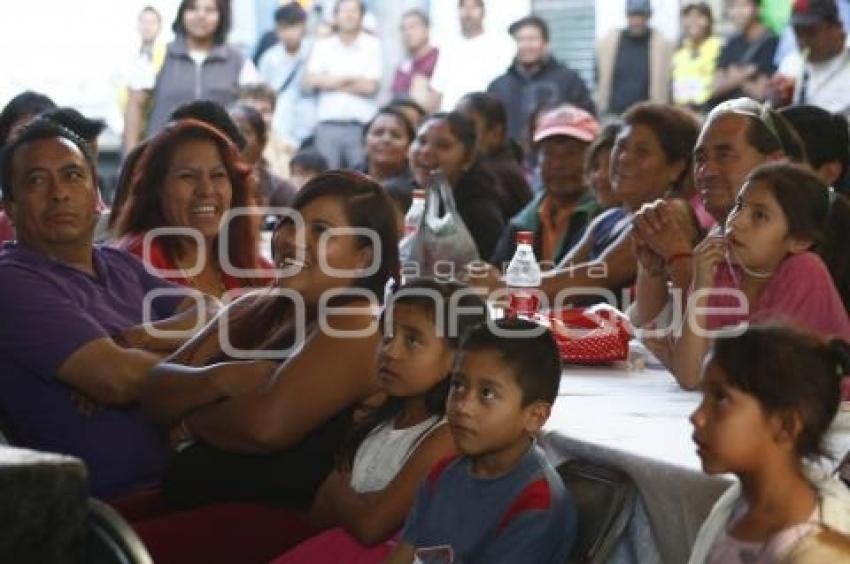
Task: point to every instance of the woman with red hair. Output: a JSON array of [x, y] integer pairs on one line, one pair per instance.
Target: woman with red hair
[[189, 177]]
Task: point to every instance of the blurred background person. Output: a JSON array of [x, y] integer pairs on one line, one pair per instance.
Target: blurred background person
[[272, 190], [412, 109], [746, 62], [386, 139], [633, 63], [345, 69], [820, 77], [283, 66], [469, 61], [536, 78], [305, 165], [597, 166], [497, 153], [827, 141], [695, 62], [198, 65], [278, 150], [413, 75]]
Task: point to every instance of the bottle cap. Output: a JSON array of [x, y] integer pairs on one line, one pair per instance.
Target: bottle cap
[[525, 238]]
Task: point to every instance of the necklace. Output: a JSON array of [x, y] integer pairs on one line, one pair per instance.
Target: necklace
[[219, 290]]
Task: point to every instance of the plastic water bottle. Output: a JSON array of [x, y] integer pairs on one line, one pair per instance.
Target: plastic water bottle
[[523, 277], [414, 214], [411, 226]]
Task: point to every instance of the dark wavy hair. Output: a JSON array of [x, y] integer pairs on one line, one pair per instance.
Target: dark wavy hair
[[421, 294], [224, 20], [791, 374], [143, 209]]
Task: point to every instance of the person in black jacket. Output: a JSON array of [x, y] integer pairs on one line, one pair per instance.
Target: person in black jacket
[[448, 141], [536, 79]]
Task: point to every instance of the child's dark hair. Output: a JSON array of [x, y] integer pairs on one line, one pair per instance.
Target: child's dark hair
[[603, 142], [488, 107], [25, 104], [791, 374], [825, 136], [530, 351], [87, 128], [253, 117], [452, 318], [213, 114], [309, 159], [813, 211]]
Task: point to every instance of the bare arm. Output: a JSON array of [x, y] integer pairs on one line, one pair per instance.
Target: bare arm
[[615, 267], [190, 314], [307, 390], [691, 348], [108, 373], [134, 118], [174, 390], [374, 516]]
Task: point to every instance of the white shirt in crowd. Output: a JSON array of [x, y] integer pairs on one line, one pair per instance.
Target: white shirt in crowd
[[828, 83], [468, 65], [361, 58]]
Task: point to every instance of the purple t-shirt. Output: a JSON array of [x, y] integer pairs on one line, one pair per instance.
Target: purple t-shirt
[[48, 311]]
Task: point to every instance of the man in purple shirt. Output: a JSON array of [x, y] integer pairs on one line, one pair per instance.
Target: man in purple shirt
[[413, 75], [75, 350]]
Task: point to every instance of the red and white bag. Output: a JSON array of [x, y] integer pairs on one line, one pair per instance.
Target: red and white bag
[[593, 335]]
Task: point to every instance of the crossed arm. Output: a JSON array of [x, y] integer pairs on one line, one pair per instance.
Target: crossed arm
[[112, 370]]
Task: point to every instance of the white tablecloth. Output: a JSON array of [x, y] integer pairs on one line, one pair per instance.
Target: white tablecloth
[[638, 421]]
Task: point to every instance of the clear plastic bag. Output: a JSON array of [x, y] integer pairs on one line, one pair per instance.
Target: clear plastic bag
[[443, 245]]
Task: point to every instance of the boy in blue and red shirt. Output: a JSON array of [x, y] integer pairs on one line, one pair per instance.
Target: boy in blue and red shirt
[[501, 501]]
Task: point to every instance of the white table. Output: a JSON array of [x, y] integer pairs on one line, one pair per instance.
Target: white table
[[637, 420]]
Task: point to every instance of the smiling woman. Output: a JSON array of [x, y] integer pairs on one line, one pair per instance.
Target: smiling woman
[[264, 431], [189, 177]]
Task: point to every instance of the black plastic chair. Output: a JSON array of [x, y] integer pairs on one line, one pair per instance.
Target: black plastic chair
[[605, 499], [108, 539]]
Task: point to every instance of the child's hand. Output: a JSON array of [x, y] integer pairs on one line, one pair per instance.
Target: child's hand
[[707, 256]]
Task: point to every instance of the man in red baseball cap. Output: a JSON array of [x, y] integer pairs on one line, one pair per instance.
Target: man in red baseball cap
[[558, 214], [821, 74]]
